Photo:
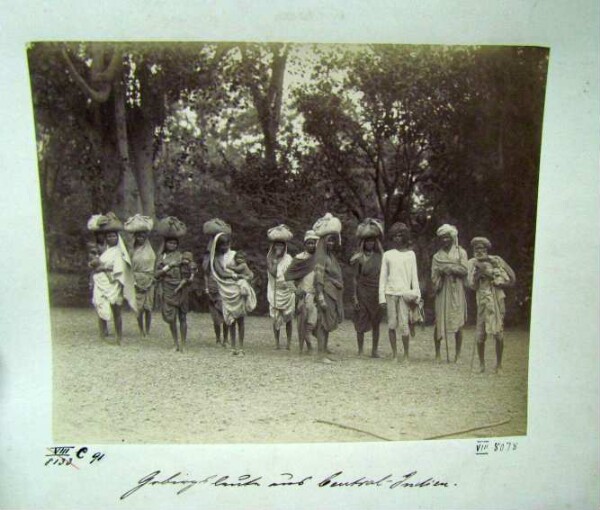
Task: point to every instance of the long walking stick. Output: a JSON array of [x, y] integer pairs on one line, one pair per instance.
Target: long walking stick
[[473, 354]]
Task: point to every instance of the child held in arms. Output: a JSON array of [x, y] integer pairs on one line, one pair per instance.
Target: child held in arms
[[240, 267]]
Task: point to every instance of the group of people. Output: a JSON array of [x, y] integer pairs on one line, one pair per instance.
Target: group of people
[[307, 287]]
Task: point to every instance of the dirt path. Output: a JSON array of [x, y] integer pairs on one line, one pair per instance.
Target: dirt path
[[144, 392]]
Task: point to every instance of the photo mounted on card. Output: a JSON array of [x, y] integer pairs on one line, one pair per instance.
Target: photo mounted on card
[[288, 243]]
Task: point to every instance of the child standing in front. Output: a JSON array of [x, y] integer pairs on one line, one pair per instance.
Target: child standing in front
[[399, 286]]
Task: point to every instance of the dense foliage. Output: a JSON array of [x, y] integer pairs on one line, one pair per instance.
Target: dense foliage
[[261, 134]]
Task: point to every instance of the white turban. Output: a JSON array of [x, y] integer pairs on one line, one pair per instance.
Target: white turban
[[452, 231], [447, 229], [310, 234]]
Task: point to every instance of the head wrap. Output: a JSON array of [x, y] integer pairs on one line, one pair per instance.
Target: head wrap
[[310, 234], [447, 229], [481, 240], [452, 231]]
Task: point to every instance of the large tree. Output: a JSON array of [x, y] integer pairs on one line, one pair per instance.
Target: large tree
[[118, 95]]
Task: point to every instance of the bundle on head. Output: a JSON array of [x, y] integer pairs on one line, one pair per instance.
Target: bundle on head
[[112, 223], [369, 227], [96, 222], [139, 223], [281, 233], [171, 227], [216, 226], [326, 225]]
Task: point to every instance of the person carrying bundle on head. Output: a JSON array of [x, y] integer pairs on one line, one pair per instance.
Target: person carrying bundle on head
[[329, 282], [235, 302], [112, 276], [174, 273], [280, 293], [143, 262], [367, 266]]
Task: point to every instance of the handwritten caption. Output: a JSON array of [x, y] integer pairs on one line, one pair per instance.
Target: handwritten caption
[[72, 456], [338, 479]]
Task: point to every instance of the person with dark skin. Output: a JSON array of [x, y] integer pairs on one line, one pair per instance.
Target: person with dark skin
[[302, 273], [234, 304], [143, 260], [399, 286], [448, 274], [280, 293], [488, 275], [175, 275], [329, 286], [105, 283], [368, 315]]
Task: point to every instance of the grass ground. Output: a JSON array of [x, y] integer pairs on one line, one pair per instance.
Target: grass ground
[[144, 392]]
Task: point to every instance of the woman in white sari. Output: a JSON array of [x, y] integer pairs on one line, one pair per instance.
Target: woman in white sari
[[113, 280], [236, 304]]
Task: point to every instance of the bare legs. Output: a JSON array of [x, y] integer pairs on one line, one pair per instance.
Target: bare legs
[[217, 328], [438, 342], [118, 320], [144, 320], [499, 340], [182, 330], [288, 334], [499, 351], [360, 340], [393, 344], [241, 329]]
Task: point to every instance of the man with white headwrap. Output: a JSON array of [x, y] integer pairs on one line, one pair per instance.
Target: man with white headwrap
[[488, 275], [448, 273]]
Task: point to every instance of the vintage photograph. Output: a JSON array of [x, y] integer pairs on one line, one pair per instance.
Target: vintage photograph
[[288, 243]]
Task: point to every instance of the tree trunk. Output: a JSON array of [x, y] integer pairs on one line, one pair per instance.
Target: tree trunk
[[142, 150]]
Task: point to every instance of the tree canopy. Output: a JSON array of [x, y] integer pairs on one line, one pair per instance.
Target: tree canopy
[[261, 134]]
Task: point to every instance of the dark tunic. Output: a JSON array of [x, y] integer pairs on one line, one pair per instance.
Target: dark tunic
[[367, 291], [171, 301]]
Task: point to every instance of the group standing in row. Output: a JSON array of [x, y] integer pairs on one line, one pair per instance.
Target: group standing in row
[[308, 287]]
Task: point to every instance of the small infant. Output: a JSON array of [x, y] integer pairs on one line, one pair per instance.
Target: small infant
[[492, 268], [93, 255], [240, 267], [188, 270]]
